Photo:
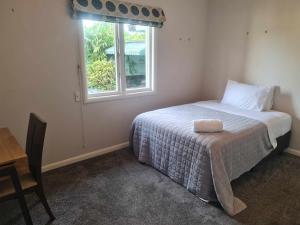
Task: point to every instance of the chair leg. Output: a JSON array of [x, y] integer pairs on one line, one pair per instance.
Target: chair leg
[[25, 210], [40, 192], [20, 196]]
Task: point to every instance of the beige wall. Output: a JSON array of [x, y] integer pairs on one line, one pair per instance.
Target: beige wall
[[270, 58], [38, 58], [39, 54]]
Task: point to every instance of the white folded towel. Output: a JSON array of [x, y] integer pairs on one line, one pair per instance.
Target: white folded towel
[[208, 125]]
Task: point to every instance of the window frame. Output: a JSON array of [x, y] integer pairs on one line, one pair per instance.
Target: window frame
[[122, 92]]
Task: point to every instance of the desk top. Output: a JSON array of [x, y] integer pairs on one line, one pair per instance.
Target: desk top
[[10, 150]]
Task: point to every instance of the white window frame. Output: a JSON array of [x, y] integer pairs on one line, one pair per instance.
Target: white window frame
[[122, 92]]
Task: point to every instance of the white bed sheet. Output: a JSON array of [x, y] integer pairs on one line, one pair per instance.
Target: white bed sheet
[[278, 123]]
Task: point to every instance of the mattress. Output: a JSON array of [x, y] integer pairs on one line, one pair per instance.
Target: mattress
[[278, 123]]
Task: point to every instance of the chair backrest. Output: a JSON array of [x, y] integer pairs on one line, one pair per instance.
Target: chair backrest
[[34, 145]]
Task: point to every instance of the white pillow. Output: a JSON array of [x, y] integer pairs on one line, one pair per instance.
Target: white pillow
[[249, 97]]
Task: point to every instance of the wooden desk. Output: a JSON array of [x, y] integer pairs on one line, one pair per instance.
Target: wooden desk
[[12, 153]]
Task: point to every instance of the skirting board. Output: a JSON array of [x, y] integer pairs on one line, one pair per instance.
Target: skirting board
[[293, 152], [107, 150], [86, 156]]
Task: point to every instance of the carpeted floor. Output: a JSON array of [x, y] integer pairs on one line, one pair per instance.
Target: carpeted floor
[[115, 189]]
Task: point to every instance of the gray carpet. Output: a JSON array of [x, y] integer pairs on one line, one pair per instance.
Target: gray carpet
[[115, 189]]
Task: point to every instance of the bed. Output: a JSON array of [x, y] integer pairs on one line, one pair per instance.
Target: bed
[[206, 163]]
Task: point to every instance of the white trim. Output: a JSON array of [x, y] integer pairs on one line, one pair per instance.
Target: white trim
[[110, 149], [121, 64], [154, 60], [82, 61], [122, 92], [86, 156], [80, 83], [120, 97], [295, 152], [118, 59]]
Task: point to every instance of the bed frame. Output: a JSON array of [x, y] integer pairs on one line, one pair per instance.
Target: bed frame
[[283, 143]]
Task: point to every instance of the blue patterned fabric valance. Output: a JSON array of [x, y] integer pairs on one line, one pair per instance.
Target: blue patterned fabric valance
[[119, 12]]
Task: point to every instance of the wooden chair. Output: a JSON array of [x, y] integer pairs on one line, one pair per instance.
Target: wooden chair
[[31, 182], [10, 171]]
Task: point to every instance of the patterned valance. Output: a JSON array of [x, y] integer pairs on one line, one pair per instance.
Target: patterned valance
[[118, 12]]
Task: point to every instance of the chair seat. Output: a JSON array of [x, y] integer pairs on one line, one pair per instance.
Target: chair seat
[[7, 188]]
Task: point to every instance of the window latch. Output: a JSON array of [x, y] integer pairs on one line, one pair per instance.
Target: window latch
[[78, 68]]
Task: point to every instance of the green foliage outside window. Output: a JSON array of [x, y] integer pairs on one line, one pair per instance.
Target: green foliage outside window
[[102, 75], [101, 69]]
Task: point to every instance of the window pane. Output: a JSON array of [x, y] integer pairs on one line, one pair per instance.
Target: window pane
[[135, 49], [100, 59]]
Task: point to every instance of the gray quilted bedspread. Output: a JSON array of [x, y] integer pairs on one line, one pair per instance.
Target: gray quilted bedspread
[[203, 163]]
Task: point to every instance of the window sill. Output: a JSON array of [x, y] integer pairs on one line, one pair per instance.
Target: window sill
[[89, 100]]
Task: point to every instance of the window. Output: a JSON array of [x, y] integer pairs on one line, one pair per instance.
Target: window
[[117, 60]]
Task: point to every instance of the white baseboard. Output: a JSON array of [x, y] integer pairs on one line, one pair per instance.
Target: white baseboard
[[104, 151], [293, 152], [82, 157]]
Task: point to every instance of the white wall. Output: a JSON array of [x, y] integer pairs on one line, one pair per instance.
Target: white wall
[[38, 58], [270, 58]]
